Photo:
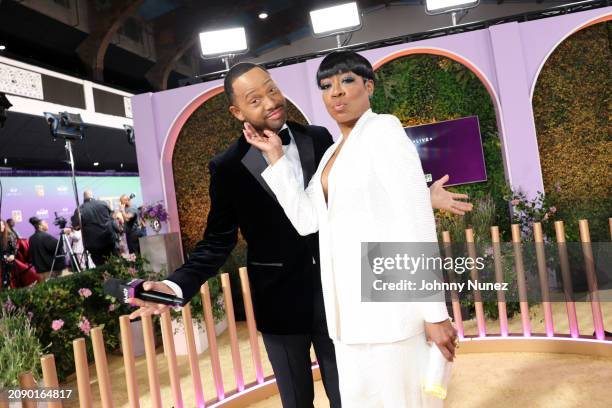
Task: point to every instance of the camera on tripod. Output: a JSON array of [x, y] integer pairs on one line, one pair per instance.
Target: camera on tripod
[[59, 221]]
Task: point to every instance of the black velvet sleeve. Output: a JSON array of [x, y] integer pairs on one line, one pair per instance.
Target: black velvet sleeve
[[219, 240]]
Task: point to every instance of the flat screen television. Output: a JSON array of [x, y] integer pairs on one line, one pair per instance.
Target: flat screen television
[[450, 147]]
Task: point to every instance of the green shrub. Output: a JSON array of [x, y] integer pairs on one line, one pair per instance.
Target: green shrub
[[78, 301], [20, 349]]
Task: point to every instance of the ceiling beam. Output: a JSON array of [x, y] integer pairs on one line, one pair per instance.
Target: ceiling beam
[[103, 25]]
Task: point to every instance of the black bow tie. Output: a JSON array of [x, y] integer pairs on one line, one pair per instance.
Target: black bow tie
[[285, 137]]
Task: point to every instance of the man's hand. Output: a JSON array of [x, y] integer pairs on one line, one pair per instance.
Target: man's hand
[[150, 307], [444, 335], [445, 200], [269, 143]]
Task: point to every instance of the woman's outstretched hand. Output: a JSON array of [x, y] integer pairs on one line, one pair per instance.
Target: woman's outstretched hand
[[268, 142], [445, 200]]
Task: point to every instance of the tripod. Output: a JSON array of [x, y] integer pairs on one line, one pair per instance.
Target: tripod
[[59, 253]]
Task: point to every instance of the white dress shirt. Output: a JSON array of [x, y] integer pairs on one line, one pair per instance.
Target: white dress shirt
[[293, 156]]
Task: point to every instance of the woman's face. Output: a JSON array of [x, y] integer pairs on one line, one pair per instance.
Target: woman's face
[[346, 97], [2, 226]]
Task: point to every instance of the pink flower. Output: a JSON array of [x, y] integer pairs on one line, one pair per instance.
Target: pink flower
[[553, 210], [85, 292], [84, 325], [57, 324], [111, 307], [545, 216], [132, 271], [515, 202], [9, 305]]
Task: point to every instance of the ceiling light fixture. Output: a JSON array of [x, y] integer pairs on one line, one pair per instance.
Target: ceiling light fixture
[[336, 20], [223, 43], [457, 8]]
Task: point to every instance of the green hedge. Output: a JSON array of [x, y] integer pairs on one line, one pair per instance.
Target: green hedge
[[67, 299]]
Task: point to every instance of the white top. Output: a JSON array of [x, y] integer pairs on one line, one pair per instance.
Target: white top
[[376, 192]]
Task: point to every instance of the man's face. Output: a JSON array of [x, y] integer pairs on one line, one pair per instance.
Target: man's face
[[44, 226], [258, 100], [125, 201]]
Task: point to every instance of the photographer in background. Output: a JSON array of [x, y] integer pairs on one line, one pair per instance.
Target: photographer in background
[[42, 247], [131, 227], [97, 229]]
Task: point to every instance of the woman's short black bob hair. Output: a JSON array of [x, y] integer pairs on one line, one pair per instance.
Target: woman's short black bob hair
[[340, 62]]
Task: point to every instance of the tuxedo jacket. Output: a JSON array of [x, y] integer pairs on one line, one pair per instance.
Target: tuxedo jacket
[[282, 265], [376, 193]]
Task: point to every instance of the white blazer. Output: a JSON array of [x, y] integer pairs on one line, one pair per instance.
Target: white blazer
[[376, 193]]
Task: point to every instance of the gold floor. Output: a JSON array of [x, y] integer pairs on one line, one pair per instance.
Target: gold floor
[[478, 380]]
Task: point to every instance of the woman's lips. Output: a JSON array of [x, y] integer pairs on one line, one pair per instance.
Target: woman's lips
[[339, 107], [276, 114]]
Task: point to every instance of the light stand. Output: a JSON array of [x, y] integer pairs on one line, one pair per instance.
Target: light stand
[[70, 127]]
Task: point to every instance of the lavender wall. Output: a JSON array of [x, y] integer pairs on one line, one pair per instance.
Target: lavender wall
[[507, 58]]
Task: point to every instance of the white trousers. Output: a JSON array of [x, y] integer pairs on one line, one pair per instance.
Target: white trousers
[[387, 375]]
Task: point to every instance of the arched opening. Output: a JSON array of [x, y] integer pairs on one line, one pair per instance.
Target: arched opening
[[422, 86], [571, 105]]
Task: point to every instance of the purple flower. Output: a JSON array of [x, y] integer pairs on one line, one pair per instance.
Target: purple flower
[[57, 324], [85, 292], [9, 306], [84, 325]]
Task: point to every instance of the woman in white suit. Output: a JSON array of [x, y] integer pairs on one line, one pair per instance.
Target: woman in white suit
[[369, 187]]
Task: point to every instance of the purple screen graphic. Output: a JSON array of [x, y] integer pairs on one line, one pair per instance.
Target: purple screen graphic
[[450, 147]]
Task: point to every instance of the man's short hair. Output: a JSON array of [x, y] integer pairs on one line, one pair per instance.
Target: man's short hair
[[234, 73], [35, 221]]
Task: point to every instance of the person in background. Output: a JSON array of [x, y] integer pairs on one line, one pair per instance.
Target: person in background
[[76, 240], [11, 227], [43, 246], [119, 230], [97, 228], [8, 251], [130, 215]]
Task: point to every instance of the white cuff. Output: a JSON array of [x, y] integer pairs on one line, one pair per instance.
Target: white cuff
[[272, 171], [434, 312], [176, 288]]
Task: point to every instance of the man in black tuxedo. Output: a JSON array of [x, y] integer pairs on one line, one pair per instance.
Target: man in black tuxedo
[[283, 266]]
